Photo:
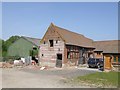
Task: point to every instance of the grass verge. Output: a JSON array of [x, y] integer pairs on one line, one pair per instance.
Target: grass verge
[[100, 79]]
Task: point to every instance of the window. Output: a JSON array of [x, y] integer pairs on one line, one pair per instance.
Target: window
[[114, 58], [71, 48], [68, 55], [59, 56], [56, 41], [58, 49], [34, 48], [76, 55], [98, 53], [71, 55], [44, 42], [118, 58], [51, 43]]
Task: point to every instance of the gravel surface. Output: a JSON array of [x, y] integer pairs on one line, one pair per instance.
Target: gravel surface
[[67, 73], [30, 78]]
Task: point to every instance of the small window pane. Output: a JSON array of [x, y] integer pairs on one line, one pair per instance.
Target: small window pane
[[114, 58], [118, 58]]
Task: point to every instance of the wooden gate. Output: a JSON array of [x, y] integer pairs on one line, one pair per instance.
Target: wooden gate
[[108, 62]]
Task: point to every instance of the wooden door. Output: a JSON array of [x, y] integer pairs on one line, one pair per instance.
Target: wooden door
[[107, 62]]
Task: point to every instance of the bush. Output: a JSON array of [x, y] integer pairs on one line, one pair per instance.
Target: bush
[[10, 58]]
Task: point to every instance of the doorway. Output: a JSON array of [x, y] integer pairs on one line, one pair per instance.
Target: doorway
[[59, 60]]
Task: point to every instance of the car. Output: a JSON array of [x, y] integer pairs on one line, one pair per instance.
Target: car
[[101, 65], [95, 62]]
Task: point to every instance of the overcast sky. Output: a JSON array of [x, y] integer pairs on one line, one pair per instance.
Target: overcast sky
[[98, 21]]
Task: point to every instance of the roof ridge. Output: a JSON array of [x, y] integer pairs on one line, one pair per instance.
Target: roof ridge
[[29, 37], [106, 40], [31, 40]]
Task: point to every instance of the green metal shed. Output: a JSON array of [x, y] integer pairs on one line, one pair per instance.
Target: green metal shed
[[23, 46]]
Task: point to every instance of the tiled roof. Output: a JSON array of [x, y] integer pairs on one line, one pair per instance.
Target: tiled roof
[[73, 38], [110, 46]]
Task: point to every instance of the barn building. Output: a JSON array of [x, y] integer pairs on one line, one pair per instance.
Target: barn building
[[60, 47]]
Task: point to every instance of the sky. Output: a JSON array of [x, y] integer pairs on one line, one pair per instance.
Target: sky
[[0, 20], [95, 20]]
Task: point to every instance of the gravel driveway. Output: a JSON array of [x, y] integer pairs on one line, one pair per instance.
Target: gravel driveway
[[29, 78]]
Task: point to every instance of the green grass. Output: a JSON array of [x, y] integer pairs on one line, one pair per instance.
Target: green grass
[[102, 79]]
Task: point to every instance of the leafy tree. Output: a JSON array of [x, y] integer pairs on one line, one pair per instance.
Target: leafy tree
[[10, 41], [7, 43], [1, 44], [1, 47]]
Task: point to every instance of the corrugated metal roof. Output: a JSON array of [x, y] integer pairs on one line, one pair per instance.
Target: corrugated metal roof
[[35, 41]]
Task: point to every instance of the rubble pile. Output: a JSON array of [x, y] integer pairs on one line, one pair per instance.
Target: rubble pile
[[45, 68], [5, 65]]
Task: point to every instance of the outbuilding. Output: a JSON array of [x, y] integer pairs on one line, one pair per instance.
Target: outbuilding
[[22, 46], [60, 47]]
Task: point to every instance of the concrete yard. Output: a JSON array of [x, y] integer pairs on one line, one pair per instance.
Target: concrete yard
[[31, 78]]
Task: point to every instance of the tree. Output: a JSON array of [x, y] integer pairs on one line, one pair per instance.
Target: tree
[[10, 41], [1, 47], [7, 43]]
